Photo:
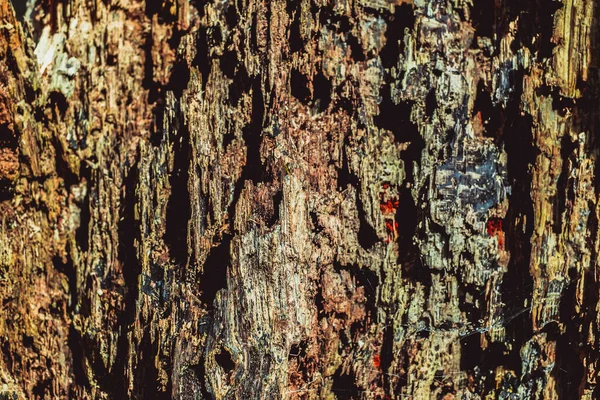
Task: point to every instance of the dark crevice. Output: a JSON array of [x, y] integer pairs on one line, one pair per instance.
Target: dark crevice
[[203, 56], [592, 227], [20, 7], [227, 140], [62, 167], [491, 115], [42, 389], [319, 300], [223, 358], [268, 44], [344, 385], [356, 50], [146, 378], [254, 33], [291, 6], [295, 37], [407, 218], [157, 136], [27, 341], [252, 134], [316, 226], [338, 23], [241, 84], [344, 340], [10, 357], [148, 80], [342, 102], [8, 140], [231, 16], [277, 198], [6, 191], [200, 374], [214, 275], [588, 320], [536, 24], [175, 38], [387, 354], [403, 18], [367, 236], [565, 193], [322, 91], [58, 102], [178, 206], [298, 350], [517, 283], [396, 118], [153, 7], [430, 103], [111, 60], [571, 346], [228, 63], [413, 268], [129, 234], [475, 360], [179, 78], [299, 86], [78, 354], [82, 232], [483, 18]]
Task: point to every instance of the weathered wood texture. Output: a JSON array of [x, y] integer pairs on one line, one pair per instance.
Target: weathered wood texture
[[263, 199]]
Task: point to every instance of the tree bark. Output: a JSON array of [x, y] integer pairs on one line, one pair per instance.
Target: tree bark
[[303, 199]]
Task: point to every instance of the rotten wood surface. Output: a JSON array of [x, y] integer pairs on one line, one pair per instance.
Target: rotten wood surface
[[304, 199]]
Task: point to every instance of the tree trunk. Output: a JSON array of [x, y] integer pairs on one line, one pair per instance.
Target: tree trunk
[[299, 199]]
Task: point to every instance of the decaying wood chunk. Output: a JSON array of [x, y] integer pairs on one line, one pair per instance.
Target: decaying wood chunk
[[299, 199]]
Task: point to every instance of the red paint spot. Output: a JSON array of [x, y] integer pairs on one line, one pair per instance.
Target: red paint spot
[[389, 225], [389, 207], [494, 228], [478, 116], [392, 230], [376, 360]]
